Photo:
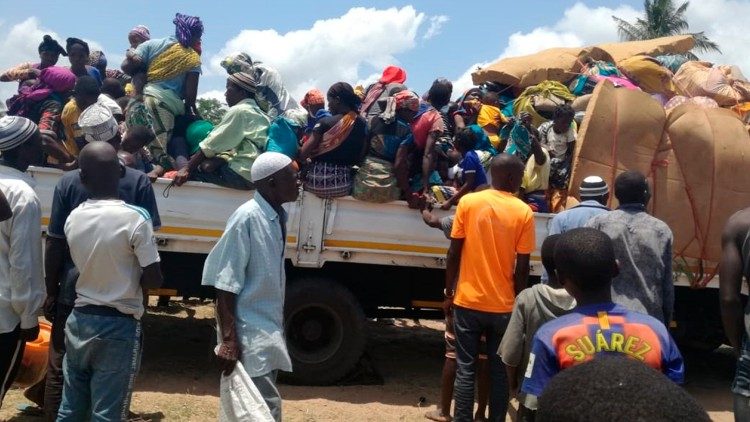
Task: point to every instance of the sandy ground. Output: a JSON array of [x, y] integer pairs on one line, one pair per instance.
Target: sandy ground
[[179, 380]]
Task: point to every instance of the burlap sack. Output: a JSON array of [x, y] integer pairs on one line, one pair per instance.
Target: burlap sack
[[725, 84], [555, 64], [615, 52]]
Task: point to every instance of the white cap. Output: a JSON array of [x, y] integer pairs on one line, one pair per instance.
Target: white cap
[[97, 123], [267, 164]]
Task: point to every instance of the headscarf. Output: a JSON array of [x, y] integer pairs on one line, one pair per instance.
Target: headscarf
[[402, 99], [268, 164], [313, 97], [98, 59], [238, 62], [140, 33], [50, 44], [345, 93], [297, 117], [97, 123], [73, 41], [188, 29], [245, 81], [14, 131], [391, 74]]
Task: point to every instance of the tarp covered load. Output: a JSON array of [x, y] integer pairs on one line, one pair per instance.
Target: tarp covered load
[[563, 64], [649, 75], [725, 84], [691, 156], [556, 64], [706, 182]]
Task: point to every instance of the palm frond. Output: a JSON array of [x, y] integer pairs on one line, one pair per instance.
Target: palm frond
[[629, 31], [703, 44]]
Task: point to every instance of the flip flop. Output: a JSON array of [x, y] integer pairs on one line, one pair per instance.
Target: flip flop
[[30, 410]]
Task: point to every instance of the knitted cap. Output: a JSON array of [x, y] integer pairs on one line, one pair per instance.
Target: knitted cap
[[97, 123], [593, 187], [14, 131]]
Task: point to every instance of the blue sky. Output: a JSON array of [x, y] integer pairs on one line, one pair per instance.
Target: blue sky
[[468, 33]]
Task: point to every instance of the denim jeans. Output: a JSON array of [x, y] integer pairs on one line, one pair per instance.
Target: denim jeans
[[741, 383], [469, 326], [101, 360]]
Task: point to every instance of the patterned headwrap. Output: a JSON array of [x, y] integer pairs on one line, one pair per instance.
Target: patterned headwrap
[[238, 62], [50, 44], [97, 59], [402, 99], [140, 33], [313, 97], [97, 123], [14, 131], [188, 29], [245, 81]]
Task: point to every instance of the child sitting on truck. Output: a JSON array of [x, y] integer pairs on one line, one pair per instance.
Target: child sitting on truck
[[472, 172]]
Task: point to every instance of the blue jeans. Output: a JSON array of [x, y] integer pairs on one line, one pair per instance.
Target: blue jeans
[[102, 356], [741, 383], [470, 325]]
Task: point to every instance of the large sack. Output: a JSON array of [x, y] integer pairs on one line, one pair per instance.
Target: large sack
[[582, 102], [615, 52], [648, 74], [555, 64], [705, 181], [621, 131], [703, 102], [555, 91], [725, 84]]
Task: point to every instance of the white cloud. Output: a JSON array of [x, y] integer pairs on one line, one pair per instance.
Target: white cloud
[[332, 50], [436, 25], [722, 20]]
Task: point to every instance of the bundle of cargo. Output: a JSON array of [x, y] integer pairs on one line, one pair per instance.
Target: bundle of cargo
[[691, 153]]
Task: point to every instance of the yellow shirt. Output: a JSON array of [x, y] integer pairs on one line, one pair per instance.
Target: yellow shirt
[[495, 226], [491, 119]]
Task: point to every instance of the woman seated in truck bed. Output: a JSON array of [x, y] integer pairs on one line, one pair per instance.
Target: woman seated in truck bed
[[337, 143], [228, 152], [384, 174]]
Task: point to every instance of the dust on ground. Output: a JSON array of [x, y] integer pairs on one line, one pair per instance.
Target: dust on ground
[[179, 380]]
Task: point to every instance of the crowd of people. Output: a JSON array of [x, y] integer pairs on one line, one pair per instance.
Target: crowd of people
[[607, 288]]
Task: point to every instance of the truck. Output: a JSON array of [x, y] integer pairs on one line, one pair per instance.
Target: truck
[[346, 261]]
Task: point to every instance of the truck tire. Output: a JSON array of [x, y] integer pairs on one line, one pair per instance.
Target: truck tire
[[325, 331]]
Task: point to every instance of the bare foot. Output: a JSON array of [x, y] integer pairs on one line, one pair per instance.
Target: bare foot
[[437, 415]]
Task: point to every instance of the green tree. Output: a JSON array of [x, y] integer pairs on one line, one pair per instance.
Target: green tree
[[211, 109], [663, 18]]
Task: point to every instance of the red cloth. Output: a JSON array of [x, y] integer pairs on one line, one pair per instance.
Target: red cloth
[[313, 97], [393, 74], [428, 122]]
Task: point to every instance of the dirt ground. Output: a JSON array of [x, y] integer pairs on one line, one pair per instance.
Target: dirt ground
[[179, 380]]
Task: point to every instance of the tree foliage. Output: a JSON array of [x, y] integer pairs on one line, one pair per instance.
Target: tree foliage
[[211, 109], [663, 18]]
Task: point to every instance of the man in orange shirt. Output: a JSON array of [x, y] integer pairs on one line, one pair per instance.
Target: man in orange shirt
[[488, 264]]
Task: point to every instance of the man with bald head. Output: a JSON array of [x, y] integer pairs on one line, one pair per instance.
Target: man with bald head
[[487, 266], [112, 245], [247, 269]]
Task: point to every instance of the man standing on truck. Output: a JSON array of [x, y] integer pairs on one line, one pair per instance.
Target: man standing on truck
[[21, 282], [247, 269], [643, 247], [112, 244], [492, 231], [734, 266], [60, 272]]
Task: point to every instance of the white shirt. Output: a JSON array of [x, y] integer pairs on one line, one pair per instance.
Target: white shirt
[[111, 104], [556, 143], [22, 290], [110, 242]]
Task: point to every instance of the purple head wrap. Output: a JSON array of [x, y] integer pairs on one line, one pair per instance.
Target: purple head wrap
[[187, 29]]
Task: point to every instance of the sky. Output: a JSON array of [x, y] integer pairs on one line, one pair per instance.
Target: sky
[[315, 44]]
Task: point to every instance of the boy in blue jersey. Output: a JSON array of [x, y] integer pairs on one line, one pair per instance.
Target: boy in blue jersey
[[586, 264]]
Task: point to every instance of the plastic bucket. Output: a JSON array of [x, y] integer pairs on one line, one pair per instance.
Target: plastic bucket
[[34, 362]]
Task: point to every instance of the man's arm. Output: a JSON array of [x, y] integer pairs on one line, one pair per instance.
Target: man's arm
[[26, 283], [452, 265], [151, 278], [668, 284], [5, 211], [401, 169], [521, 274], [191, 93], [229, 349], [428, 159], [730, 279]]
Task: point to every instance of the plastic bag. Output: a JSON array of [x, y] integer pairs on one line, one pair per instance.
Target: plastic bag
[[240, 400]]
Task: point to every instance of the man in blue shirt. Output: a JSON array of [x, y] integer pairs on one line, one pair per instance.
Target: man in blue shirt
[[247, 269], [594, 194]]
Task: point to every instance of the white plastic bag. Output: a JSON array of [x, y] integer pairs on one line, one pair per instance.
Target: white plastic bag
[[240, 400]]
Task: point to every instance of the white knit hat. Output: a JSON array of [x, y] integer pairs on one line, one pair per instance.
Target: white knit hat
[[267, 164], [593, 187], [14, 131], [97, 123]]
